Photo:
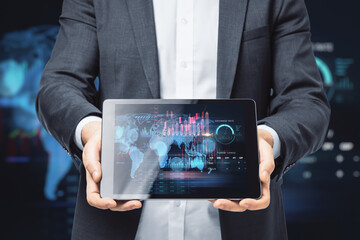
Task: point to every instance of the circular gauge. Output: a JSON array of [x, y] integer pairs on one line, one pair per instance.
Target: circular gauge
[[224, 134], [327, 77]]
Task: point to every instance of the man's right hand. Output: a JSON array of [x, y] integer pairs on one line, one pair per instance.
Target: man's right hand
[[91, 138]]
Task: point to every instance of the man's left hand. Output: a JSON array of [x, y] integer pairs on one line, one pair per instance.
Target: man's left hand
[[267, 165]]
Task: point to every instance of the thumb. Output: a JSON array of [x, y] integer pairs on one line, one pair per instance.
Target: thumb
[[91, 160], [265, 176]]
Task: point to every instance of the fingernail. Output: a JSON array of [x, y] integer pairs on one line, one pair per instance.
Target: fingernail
[[95, 174], [246, 205]]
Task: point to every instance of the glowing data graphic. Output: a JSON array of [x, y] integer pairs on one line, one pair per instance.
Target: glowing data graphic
[[195, 143]]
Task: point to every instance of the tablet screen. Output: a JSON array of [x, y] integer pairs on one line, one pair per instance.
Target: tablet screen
[[180, 150]]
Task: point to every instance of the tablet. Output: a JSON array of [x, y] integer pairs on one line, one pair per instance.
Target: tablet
[[190, 149]]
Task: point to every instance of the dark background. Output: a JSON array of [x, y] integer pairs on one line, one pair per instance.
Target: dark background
[[39, 182]]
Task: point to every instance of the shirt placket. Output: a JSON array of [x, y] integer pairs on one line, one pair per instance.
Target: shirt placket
[[184, 49], [176, 221]]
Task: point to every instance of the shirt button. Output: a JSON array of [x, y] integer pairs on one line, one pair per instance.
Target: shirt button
[[183, 64], [177, 203], [184, 21]]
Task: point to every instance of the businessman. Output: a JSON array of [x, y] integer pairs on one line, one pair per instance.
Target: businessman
[[257, 49]]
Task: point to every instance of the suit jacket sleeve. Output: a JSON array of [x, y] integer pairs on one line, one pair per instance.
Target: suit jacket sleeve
[[67, 92], [299, 110]]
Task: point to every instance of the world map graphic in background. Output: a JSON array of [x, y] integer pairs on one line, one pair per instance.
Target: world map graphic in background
[[23, 55]]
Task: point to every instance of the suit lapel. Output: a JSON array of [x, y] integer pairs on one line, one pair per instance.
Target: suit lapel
[[231, 24], [143, 23]]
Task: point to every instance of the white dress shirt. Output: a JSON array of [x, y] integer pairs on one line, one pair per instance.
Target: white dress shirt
[[187, 40]]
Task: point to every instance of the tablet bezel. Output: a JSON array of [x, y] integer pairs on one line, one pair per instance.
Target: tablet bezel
[[107, 146]]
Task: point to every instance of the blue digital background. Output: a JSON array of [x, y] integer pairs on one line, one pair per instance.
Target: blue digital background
[[321, 193]]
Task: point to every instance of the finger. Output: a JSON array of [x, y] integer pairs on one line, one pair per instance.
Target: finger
[[228, 205], [258, 204], [93, 195], [127, 205], [91, 160]]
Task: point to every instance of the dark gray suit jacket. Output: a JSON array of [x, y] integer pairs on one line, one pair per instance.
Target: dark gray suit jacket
[[263, 45]]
